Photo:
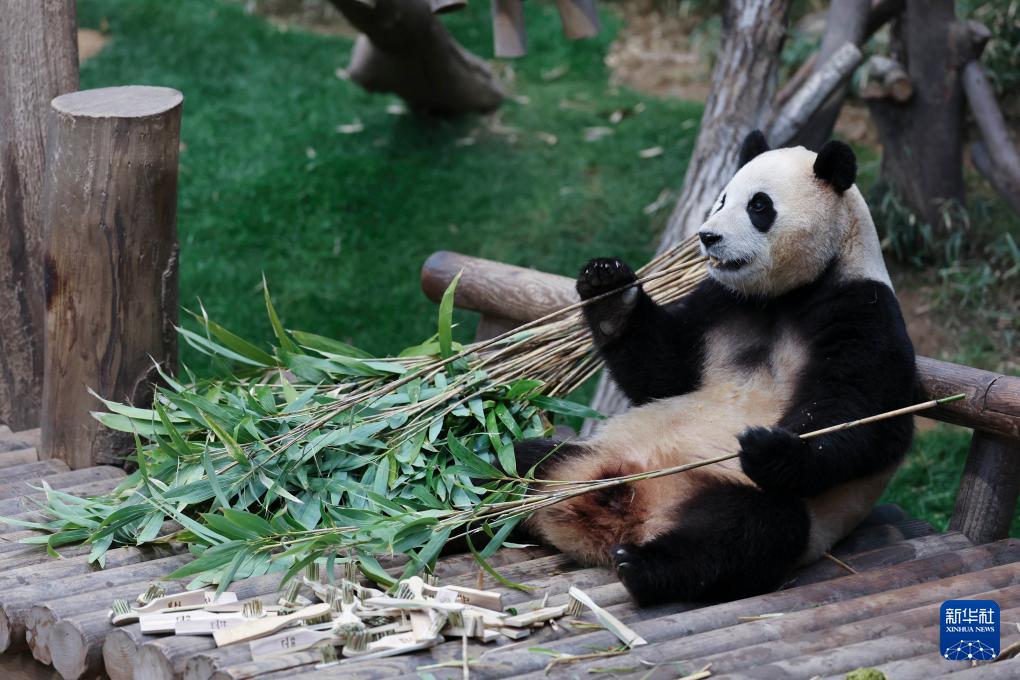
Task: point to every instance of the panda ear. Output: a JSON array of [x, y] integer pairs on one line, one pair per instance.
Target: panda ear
[[837, 165], [754, 145]]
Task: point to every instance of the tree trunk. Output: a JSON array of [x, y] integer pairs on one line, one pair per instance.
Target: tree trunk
[[922, 139], [38, 61], [111, 261], [406, 50], [743, 85], [846, 22], [997, 159]]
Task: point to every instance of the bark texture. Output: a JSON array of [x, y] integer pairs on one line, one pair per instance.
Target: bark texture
[[846, 22], [111, 261], [38, 61], [406, 50], [922, 138]]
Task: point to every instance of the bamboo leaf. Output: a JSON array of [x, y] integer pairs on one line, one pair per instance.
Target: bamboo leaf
[[446, 319]]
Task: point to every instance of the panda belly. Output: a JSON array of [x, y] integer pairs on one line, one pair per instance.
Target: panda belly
[[703, 424]]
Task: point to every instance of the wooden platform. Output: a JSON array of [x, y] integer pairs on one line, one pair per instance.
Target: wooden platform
[[53, 613]]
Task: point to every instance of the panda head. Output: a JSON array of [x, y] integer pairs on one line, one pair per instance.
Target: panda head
[[782, 219]]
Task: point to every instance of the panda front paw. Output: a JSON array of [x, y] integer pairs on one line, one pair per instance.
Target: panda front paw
[[634, 573], [775, 459], [607, 318]]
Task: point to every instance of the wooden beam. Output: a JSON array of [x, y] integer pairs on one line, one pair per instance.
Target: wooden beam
[[111, 261], [38, 61], [988, 490]]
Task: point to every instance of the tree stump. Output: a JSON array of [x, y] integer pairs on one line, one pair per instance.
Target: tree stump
[[38, 61], [111, 261]]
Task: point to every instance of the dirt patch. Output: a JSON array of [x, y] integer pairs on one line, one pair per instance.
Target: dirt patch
[[90, 43], [661, 54]]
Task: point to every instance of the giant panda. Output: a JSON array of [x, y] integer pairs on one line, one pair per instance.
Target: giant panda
[[796, 328]]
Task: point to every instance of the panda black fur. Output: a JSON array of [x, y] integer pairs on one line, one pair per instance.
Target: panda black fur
[[796, 328]]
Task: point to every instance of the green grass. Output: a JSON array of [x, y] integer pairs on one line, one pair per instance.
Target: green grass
[[340, 224]]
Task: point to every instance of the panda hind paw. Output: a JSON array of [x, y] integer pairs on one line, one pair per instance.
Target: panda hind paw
[[633, 573]]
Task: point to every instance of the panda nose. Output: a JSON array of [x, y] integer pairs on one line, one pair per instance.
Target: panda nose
[[709, 237]]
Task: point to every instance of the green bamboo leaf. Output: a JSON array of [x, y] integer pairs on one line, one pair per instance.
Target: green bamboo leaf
[[564, 407], [281, 335], [446, 319], [470, 460], [319, 343], [115, 421], [233, 342], [497, 541]]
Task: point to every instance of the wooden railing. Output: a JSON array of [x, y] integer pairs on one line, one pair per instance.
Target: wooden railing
[[507, 296]]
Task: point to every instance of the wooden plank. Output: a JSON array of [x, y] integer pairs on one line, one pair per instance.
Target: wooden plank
[[670, 621], [63, 480], [988, 489], [992, 403], [111, 264]]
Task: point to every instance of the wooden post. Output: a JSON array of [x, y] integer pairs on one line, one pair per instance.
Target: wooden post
[[111, 261], [580, 18], [38, 61], [509, 37], [988, 491]]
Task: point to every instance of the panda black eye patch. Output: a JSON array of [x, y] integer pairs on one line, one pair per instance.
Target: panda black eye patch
[[761, 211]]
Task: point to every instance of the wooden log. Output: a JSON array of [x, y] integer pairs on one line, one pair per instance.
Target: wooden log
[[24, 503], [76, 644], [509, 35], [111, 231], [55, 570], [18, 457], [846, 22], [42, 617], [32, 471], [992, 403], [808, 101], [496, 289], [406, 50], [285, 665], [882, 78], [62, 480], [882, 12], [674, 620], [580, 18], [491, 326], [15, 605], [988, 490], [120, 651], [1001, 152], [164, 658], [38, 61]]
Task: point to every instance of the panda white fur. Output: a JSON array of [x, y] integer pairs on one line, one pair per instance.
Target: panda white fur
[[795, 329]]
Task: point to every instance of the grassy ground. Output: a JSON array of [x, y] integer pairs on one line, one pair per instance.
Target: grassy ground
[[340, 223]]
